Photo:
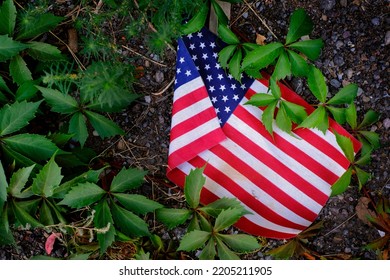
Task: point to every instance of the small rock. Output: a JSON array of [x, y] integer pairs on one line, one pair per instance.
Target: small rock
[[339, 44], [375, 21], [347, 250], [366, 99], [339, 60], [349, 73], [148, 99], [344, 3], [386, 123], [360, 91], [324, 17], [346, 34], [387, 38], [245, 15], [327, 5], [335, 83], [159, 76], [121, 145], [95, 133]]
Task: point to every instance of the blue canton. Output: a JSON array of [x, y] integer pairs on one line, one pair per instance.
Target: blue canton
[[198, 56]]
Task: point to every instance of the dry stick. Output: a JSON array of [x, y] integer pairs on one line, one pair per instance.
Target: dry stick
[[262, 21], [145, 57], [329, 232], [165, 88]]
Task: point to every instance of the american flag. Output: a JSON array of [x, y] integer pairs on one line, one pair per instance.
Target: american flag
[[284, 180]]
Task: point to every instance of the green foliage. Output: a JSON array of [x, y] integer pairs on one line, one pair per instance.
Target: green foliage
[[207, 223], [18, 30], [104, 87], [362, 176], [114, 208]]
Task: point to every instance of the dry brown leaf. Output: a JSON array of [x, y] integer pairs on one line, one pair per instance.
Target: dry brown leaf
[[73, 40], [260, 39], [363, 211]]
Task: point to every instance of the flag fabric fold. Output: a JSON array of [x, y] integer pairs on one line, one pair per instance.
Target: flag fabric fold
[[284, 180]]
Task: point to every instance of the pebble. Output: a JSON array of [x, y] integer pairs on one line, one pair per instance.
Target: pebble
[[344, 3], [335, 83], [387, 38], [148, 99], [338, 60], [327, 4], [159, 76], [347, 250], [349, 73], [375, 21], [386, 123]]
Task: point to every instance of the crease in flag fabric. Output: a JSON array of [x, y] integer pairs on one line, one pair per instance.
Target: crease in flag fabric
[[284, 180]]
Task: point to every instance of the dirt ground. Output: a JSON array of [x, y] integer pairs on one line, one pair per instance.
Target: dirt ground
[[357, 41]]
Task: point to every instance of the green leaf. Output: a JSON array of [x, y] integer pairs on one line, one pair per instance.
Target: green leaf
[[262, 56], [45, 215], [104, 127], [6, 236], [315, 119], [222, 18], [194, 223], [44, 52], [214, 208], [91, 176], [19, 159], [351, 116], [339, 114], [26, 91], [33, 146], [193, 185], [345, 96], [362, 176], [227, 35], [127, 179], [268, 116], [372, 137], [364, 159], [300, 25], [47, 179], [275, 89], [18, 180], [240, 242], [225, 54], [227, 218], [235, 65], [34, 25], [286, 251], [78, 127], [299, 66], [136, 203], [369, 118], [173, 217], [224, 253], [3, 188], [310, 48], [346, 145], [82, 195], [342, 183], [208, 252], [197, 22], [128, 222], [282, 67], [204, 222], [194, 240], [8, 17], [16, 116], [19, 71], [59, 102], [60, 139], [261, 99], [9, 48], [283, 121], [102, 219], [295, 112], [24, 217], [317, 85]]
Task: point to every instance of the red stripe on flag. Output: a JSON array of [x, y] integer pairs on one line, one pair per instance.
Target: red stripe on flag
[[189, 99], [322, 171], [246, 198], [195, 147]]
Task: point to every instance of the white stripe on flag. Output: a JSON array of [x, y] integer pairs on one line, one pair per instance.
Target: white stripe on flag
[[188, 88], [191, 111]]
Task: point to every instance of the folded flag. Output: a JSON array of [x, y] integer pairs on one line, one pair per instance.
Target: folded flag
[[284, 180]]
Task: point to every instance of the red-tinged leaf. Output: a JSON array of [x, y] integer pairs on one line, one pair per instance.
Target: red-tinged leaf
[[49, 244]]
